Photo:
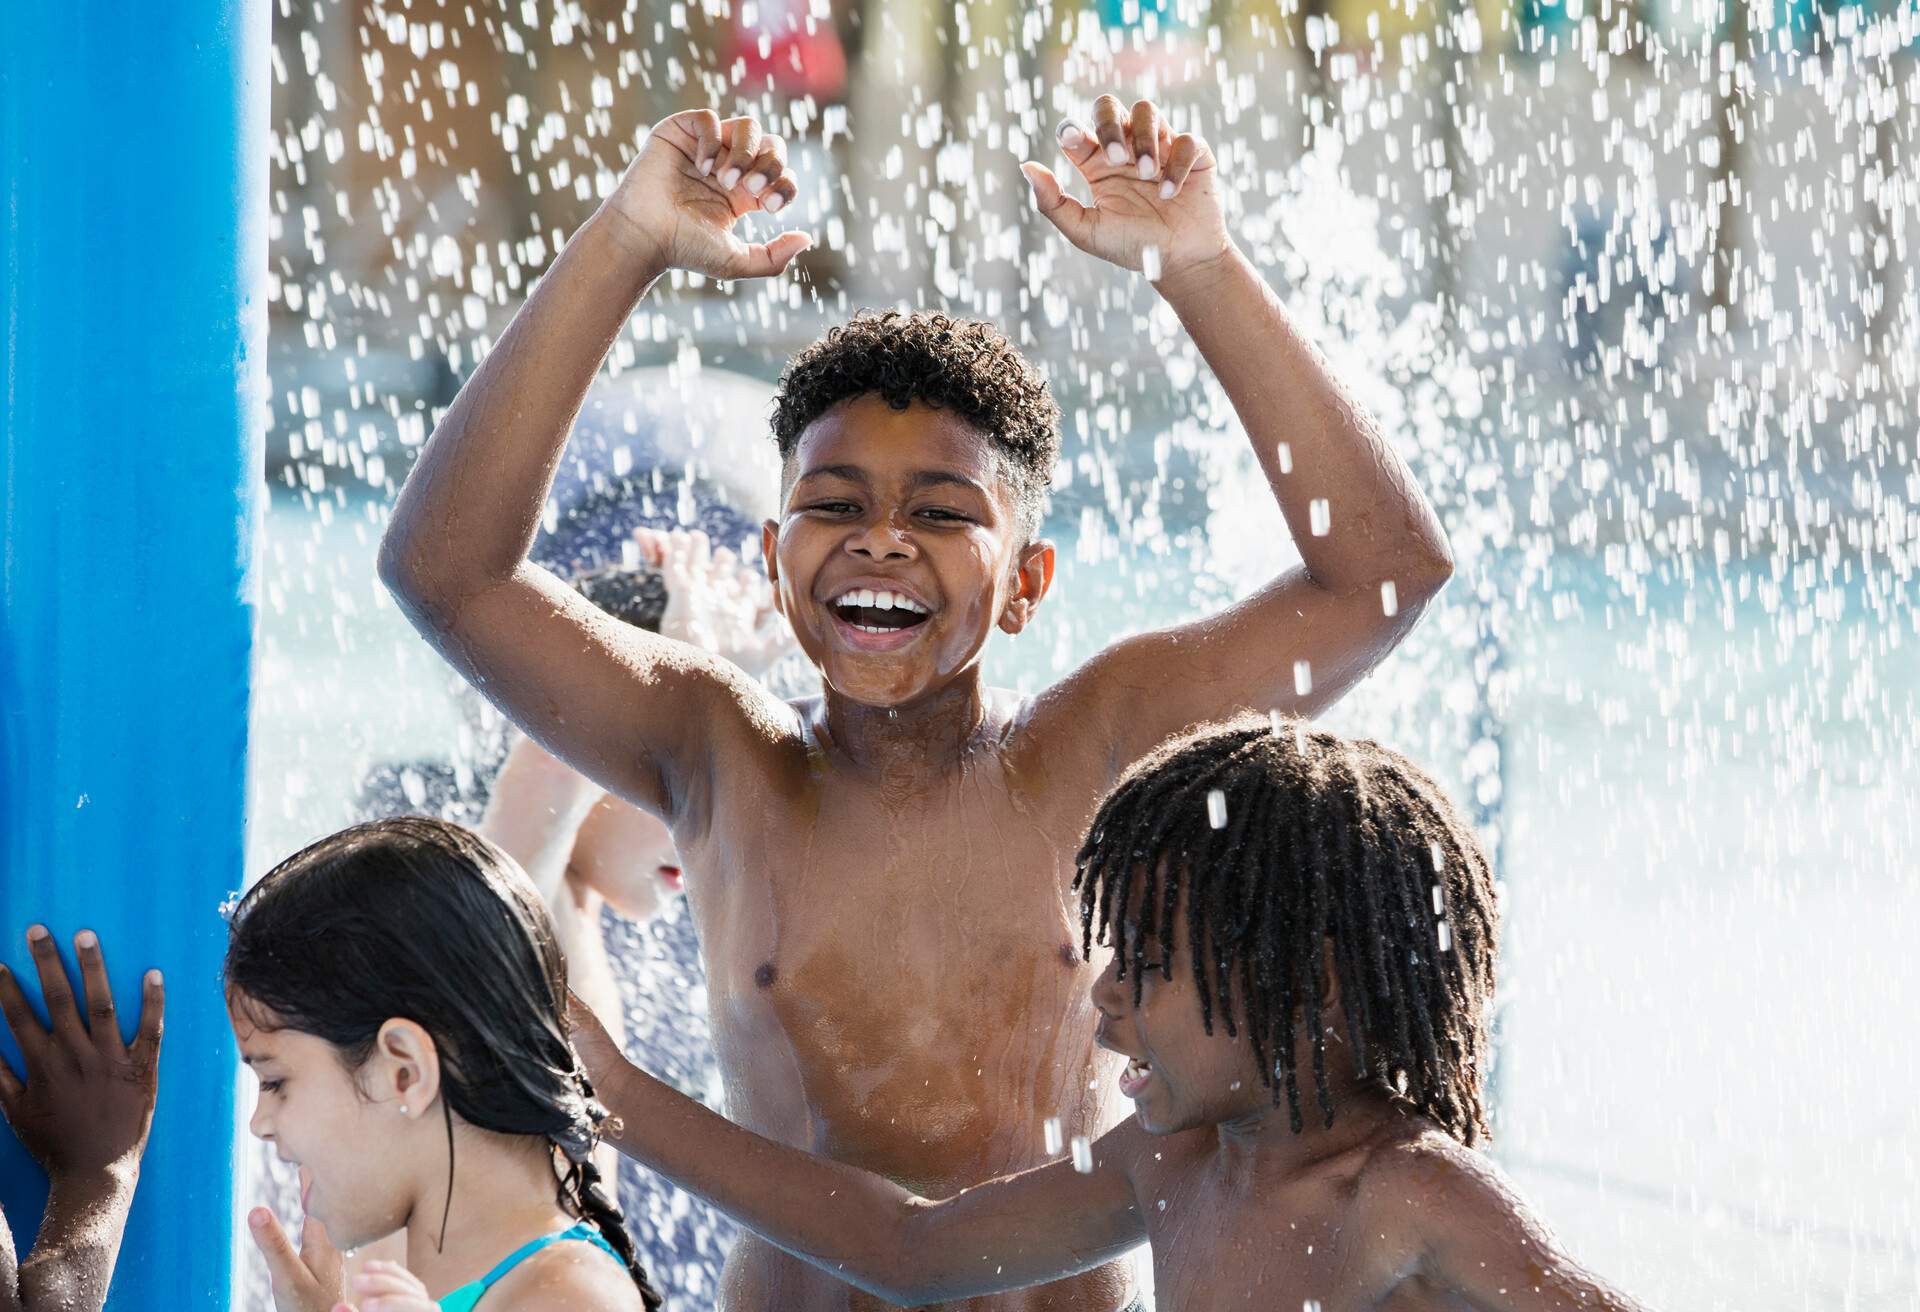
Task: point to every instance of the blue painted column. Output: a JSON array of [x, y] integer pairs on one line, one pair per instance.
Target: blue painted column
[[133, 255]]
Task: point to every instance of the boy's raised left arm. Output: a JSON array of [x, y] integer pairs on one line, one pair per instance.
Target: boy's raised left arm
[[1350, 502]]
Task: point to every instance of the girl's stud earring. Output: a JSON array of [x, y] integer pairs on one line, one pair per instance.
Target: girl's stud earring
[[403, 1109]]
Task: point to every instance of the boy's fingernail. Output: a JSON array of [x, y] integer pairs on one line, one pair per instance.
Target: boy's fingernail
[[153, 978], [35, 933], [1116, 153], [1069, 136], [730, 177], [775, 203], [1146, 166], [85, 938], [1166, 189]]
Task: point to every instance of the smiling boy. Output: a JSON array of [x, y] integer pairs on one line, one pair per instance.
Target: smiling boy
[[881, 876]]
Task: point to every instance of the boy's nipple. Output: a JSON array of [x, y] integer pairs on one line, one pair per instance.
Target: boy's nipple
[[766, 974]]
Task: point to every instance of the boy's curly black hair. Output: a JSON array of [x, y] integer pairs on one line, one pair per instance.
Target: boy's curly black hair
[[1313, 839], [963, 365]]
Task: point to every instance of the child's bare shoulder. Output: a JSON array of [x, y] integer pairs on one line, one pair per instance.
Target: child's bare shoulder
[[574, 1274], [1433, 1191]]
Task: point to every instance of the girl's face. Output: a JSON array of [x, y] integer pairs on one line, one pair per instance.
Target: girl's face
[[349, 1142]]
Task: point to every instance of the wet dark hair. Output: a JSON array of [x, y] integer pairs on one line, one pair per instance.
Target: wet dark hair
[[1323, 839], [963, 365], [419, 918], [632, 594]]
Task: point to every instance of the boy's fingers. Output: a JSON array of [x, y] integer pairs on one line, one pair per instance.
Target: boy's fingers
[[1145, 131], [1109, 129], [102, 1022], [1077, 143], [779, 194], [153, 1007], [56, 994], [765, 259], [20, 1018], [1180, 161], [703, 125], [739, 143], [769, 162], [1061, 210], [10, 1085]]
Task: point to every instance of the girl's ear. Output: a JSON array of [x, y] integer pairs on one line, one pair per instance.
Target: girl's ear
[[404, 1068]]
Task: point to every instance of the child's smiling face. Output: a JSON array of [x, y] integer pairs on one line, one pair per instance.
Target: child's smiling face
[[1177, 1074], [899, 550], [316, 1116]]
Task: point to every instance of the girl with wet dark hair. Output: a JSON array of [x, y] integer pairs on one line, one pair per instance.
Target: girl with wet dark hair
[[398, 992]]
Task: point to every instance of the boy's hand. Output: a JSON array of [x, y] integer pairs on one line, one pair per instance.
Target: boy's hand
[[87, 1101], [306, 1280], [1154, 207], [693, 180]]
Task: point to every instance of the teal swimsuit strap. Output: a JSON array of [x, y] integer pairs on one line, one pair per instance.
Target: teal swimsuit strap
[[464, 1298]]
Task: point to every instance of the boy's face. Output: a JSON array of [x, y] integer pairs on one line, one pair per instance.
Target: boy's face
[[1177, 1074], [898, 550]]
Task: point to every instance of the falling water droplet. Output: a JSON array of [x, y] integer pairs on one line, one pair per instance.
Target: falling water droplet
[[1276, 720], [1302, 678], [1389, 598], [1321, 515], [1446, 937], [1285, 453], [1150, 263], [1439, 902], [1217, 809], [1082, 1154], [1050, 1128]]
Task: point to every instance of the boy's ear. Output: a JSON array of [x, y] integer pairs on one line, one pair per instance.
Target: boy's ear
[[404, 1068], [769, 540], [1033, 575]]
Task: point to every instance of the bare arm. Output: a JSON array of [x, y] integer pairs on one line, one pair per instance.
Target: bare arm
[[83, 1111], [1314, 442], [1006, 1234], [536, 810], [639, 714]]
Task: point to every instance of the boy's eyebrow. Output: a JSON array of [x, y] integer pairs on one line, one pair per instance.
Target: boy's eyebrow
[[925, 478]]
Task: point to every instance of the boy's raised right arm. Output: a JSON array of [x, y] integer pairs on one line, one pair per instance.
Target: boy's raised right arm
[[1009, 1233], [642, 715]]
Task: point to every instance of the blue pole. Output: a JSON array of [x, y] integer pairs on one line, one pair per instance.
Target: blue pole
[[132, 261]]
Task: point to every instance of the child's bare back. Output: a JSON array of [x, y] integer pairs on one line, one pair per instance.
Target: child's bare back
[[881, 878]]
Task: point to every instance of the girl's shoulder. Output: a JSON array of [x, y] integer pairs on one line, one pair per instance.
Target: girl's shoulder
[[572, 1273]]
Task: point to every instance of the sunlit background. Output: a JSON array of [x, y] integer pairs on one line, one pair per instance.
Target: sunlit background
[[1632, 286]]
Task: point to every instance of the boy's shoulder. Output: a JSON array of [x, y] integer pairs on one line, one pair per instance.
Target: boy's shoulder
[[1433, 1192]]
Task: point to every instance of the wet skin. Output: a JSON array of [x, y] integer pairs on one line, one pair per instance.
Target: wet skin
[[880, 877]]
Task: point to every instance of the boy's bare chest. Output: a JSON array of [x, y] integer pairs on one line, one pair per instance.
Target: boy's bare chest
[[895, 974]]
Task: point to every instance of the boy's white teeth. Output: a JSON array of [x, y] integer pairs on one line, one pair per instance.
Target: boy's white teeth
[[880, 599], [1137, 1068]]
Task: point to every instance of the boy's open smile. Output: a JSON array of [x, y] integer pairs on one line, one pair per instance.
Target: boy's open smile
[[878, 613]]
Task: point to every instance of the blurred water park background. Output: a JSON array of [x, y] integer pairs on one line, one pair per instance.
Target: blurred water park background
[[1631, 281]]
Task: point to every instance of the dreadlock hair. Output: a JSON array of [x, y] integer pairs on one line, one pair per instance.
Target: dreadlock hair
[[420, 918], [1323, 839], [963, 365]]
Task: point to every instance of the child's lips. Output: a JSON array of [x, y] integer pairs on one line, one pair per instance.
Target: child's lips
[[672, 878], [860, 640], [1135, 1077]]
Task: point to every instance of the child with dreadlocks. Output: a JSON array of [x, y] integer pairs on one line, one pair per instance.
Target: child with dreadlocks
[[915, 452], [1303, 934]]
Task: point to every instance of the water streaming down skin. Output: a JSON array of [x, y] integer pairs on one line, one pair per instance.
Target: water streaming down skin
[[1674, 676]]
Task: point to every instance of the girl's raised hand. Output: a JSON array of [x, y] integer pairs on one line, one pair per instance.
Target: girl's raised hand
[[306, 1280], [1154, 207], [696, 176], [388, 1287]]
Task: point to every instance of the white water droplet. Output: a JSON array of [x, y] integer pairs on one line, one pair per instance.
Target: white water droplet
[[1217, 809], [1446, 937], [1277, 720], [1321, 515], [1439, 901], [1285, 454], [1050, 1129], [1389, 598], [1150, 263], [1302, 678], [1082, 1154]]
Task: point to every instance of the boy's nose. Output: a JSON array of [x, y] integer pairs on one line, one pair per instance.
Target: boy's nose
[[1108, 998], [885, 539]]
